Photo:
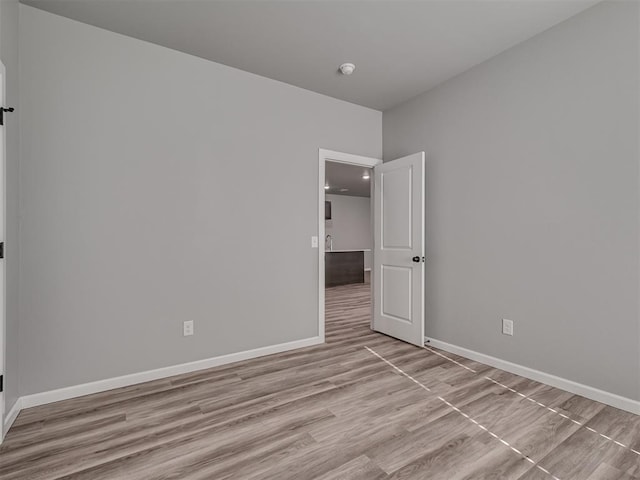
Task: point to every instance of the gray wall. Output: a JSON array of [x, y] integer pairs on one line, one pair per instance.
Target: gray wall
[[532, 200], [9, 55], [350, 224], [151, 190]]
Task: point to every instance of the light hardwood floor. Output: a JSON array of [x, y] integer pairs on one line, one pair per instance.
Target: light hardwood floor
[[335, 411]]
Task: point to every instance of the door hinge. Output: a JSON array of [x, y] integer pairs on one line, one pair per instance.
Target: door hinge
[[1, 383], [1, 249], [2, 110]]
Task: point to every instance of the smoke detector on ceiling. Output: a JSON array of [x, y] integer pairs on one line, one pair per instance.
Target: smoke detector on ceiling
[[347, 68]]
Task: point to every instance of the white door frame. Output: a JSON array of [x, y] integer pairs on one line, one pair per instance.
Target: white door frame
[[3, 279], [323, 157]]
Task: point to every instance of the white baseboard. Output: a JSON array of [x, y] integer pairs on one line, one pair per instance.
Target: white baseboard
[[592, 393], [11, 416], [37, 399]]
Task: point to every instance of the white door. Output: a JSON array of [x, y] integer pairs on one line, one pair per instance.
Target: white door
[[398, 279]]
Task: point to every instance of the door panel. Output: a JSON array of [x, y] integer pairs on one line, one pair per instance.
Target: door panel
[[396, 209], [396, 298], [398, 280]]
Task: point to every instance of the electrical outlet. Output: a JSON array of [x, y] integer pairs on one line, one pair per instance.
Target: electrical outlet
[[507, 327], [187, 328]]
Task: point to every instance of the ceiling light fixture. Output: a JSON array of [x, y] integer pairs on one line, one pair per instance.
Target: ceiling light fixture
[[366, 176], [326, 187], [347, 68]]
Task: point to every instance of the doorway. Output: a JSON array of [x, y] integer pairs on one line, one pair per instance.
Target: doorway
[[345, 257], [396, 294]]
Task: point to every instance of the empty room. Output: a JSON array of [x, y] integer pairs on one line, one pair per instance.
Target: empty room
[[320, 239]]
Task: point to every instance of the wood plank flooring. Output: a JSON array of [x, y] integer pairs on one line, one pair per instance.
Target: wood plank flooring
[[334, 411]]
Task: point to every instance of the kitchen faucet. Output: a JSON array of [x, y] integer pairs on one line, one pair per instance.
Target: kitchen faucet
[[328, 242]]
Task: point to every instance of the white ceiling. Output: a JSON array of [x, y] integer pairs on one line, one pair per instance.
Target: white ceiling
[[345, 179], [400, 48]]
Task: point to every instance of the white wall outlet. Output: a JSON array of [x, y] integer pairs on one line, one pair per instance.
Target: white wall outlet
[[314, 241], [507, 327], [187, 328]]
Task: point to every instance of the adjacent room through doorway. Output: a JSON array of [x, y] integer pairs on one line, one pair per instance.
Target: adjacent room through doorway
[[348, 244]]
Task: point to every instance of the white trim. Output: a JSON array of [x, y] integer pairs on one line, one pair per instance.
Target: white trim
[[340, 157], [37, 399], [12, 415], [321, 242], [3, 277], [592, 393]]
